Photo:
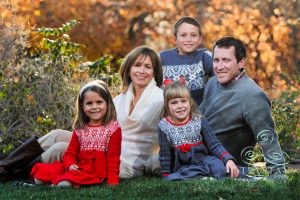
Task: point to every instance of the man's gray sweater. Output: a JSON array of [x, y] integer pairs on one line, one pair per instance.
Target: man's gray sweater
[[239, 113]]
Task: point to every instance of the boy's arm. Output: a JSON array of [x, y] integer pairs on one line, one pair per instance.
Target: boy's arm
[[208, 63]]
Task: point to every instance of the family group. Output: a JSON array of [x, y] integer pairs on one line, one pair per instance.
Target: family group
[[183, 113]]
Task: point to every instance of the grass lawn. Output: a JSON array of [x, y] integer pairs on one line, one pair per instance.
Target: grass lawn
[[155, 188]]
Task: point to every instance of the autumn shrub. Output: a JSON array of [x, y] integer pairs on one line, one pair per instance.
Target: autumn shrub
[[286, 113], [37, 90]]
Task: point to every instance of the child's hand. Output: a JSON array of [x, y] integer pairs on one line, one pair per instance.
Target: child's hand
[[232, 169], [74, 167]]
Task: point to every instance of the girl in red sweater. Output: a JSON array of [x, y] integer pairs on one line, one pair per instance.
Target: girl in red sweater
[[93, 155]]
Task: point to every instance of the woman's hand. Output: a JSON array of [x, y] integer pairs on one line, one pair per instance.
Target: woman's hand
[[74, 167], [232, 169]]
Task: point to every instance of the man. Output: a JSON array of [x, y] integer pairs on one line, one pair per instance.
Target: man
[[238, 110]]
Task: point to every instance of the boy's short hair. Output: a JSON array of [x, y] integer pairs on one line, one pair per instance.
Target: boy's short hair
[[188, 20]]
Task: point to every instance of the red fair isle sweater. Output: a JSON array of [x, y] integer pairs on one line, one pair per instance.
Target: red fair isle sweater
[[95, 149]]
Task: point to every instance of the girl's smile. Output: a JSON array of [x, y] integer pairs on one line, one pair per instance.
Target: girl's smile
[[179, 109], [95, 107]]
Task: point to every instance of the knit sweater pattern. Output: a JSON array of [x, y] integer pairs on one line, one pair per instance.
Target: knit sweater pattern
[[195, 136], [195, 68]]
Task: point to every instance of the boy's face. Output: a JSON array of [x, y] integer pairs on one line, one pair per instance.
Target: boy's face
[[188, 38]]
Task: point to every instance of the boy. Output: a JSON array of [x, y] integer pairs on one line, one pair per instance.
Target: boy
[[186, 60]]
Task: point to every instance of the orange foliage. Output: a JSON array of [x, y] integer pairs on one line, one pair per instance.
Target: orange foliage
[[266, 35], [268, 28]]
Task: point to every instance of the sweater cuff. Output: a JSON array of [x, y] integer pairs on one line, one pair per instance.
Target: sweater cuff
[[227, 156], [113, 180], [67, 166]]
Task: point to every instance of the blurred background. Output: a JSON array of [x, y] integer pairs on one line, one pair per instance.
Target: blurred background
[[269, 28]]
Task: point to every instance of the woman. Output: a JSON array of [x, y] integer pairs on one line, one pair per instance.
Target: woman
[[139, 109]]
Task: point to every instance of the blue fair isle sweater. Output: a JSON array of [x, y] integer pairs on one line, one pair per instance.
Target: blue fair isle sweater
[[195, 68], [187, 144], [239, 114]]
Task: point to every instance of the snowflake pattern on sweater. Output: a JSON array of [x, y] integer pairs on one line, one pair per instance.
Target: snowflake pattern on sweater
[[95, 137], [195, 68], [194, 74], [184, 134]]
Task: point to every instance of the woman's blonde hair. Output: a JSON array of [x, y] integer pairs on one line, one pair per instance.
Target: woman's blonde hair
[[177, 89]]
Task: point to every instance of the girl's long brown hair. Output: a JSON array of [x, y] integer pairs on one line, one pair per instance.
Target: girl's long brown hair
[[81, 118]]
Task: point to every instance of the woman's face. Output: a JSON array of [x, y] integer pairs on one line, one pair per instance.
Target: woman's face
[[142, 72]]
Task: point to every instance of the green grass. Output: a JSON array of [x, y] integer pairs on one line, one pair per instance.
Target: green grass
[[155, 188]]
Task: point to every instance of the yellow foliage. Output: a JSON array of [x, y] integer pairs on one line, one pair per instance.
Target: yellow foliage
[[277, 11], [40, 119], [116, 27]]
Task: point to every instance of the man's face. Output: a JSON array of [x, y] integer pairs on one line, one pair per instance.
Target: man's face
[[225, 65]]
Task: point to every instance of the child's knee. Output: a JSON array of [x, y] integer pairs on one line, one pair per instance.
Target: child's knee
[[64, 183], [217, 168], [219, 171], [38, 181], [152, 165], [55, 152]]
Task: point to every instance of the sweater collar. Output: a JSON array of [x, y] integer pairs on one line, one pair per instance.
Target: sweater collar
[[176, 51], [233, 84], [235, 79], [144, 99]]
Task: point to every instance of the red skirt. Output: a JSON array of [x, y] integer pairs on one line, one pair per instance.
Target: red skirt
[[55, 172]]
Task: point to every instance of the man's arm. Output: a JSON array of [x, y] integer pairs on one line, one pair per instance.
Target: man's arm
[[258, 115]]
